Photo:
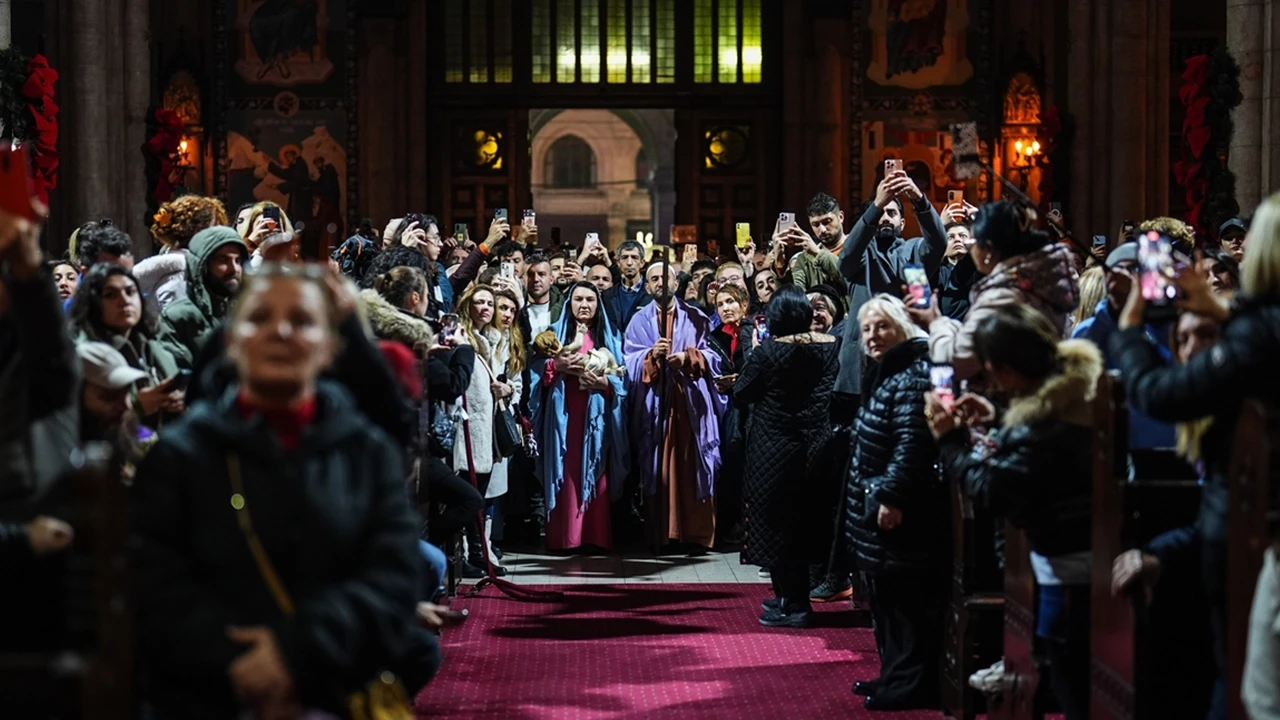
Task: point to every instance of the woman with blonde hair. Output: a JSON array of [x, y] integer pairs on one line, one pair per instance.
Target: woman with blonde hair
[[268, 232], [894, 507], [475, 450], [1214, 383], [162, 278], [1093, 288]]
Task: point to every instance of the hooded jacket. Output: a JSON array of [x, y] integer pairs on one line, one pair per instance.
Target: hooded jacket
[[1044, 279], [334, 519], [1038, 468], [185, 323], [391, 323]]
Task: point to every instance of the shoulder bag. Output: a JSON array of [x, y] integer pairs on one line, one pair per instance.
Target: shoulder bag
[[384, 697]]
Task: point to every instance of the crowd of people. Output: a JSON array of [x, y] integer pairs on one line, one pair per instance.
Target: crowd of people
[[308, 448]]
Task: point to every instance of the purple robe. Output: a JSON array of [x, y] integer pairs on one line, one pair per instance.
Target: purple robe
[[704, 404]]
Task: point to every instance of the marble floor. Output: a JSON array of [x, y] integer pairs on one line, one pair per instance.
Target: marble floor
[[634, 567]]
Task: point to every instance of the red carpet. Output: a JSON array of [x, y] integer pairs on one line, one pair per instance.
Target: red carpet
[[626, 652]]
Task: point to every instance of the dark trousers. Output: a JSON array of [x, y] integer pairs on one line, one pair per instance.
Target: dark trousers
[[791, 586], [1063, 627], [419, 661], [461, 502], [906, 610]]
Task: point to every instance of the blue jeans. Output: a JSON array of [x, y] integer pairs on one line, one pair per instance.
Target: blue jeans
[[437, 566]]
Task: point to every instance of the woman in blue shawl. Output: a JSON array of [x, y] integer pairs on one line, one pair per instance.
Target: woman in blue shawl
[[580, 425]]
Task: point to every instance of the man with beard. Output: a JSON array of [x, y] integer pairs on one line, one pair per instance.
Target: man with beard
[[544, 301], [872, 260], [215, 263], [628, 294], [675, 426], [817, 263]]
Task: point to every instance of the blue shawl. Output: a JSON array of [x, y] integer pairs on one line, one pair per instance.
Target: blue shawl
[[606, 423]]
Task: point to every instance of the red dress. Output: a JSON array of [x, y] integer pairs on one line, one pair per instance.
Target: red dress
[[571, 526]]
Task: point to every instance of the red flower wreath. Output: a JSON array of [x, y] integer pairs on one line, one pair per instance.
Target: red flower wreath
[[44, 113]]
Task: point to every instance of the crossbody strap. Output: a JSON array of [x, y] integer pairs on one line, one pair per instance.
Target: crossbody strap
[[265, 568]]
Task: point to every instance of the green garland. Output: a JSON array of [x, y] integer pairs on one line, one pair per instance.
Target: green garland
[[14, 106]]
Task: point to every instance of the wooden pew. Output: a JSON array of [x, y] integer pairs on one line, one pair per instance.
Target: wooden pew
[[1022, 680], [975, 610], [1125, 676], [1251, 518], [87, 669]]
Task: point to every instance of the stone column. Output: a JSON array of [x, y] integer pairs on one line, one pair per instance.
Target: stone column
[[1079, 102], [6, 24], [137, 100], [1247, 39], [88, 188]]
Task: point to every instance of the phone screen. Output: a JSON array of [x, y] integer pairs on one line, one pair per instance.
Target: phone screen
[[448, 326], [691, 253], [762, 327], [530, 218], [943, 378], [1155, 260], [917, 284], [743, 231]]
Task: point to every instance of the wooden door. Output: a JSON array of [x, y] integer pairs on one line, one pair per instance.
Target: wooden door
[[483, 165], [726, 162]]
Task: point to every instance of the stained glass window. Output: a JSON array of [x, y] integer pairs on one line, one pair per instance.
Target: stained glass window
[[727, 41], [616, 55], [541, 41], [640, 41]]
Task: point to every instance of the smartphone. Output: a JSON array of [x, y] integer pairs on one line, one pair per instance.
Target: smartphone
[[1055, 207], [762, 327], [892, 165], [943, 378], [272, 212], [1099, 241], [1126, 226], [1156, 268], [15, 182], [508, 270], [684, 234], [460, 232], [530, 218], [713, 289], [500, 214], [917, 285], [786, 221], [448, 326], [955, 197], [180, 381], [592, 239], [691, 253], [743, 231]]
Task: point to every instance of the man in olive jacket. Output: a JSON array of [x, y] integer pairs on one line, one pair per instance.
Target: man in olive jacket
[[215, 264]]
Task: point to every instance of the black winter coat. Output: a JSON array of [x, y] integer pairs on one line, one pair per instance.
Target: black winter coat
[[1037, 470], [786, 387], [335, 520], [1213, 384], [895, 463]]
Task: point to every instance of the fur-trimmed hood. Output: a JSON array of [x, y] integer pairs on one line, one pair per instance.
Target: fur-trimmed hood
[[391, 323], [1066, 396]]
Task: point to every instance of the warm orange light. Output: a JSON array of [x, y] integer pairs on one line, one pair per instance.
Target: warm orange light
[[1035, 146], [182, 146], [1018, 146]]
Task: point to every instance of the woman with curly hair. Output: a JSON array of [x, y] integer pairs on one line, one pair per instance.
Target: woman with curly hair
[[108, 308], [162, 277]]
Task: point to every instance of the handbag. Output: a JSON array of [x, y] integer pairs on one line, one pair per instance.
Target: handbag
[[384, 697], [507, 435]]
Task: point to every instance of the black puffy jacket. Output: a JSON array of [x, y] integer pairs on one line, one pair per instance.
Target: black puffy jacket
[[895, 463], [1038, 468]]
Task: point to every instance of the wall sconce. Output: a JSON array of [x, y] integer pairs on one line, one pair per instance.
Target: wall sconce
[[1025, 153]]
